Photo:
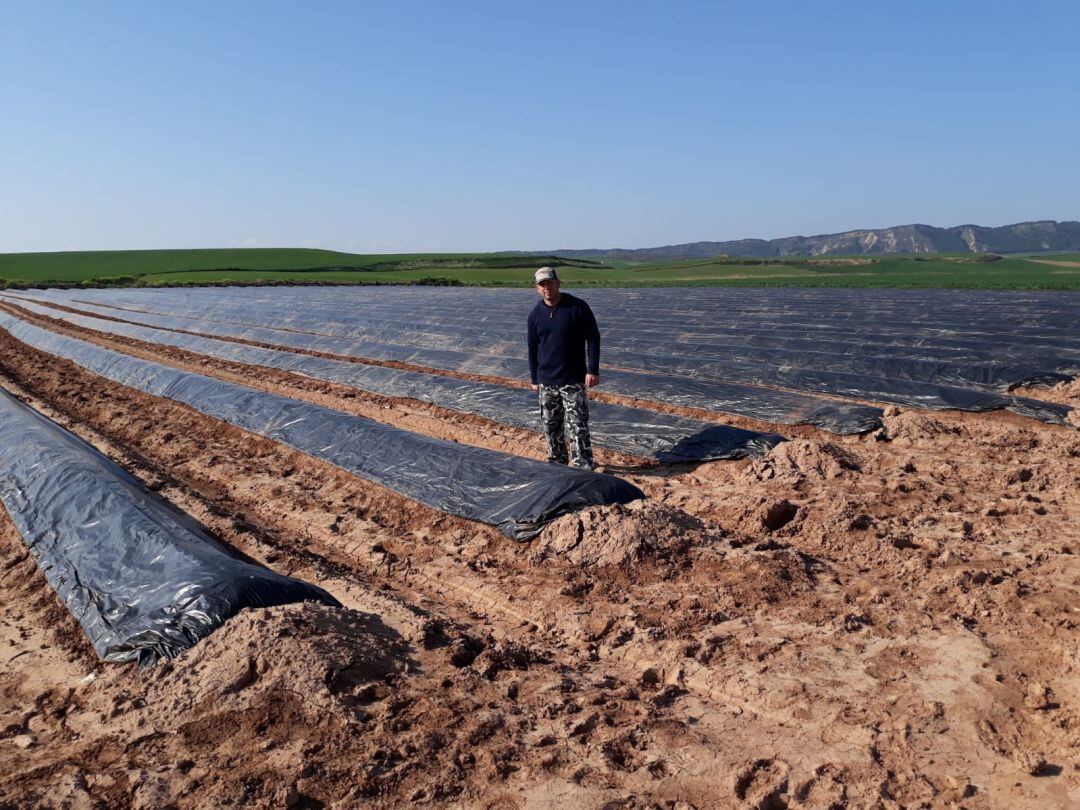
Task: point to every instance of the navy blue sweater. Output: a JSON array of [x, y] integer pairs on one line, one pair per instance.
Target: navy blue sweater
[[558, 337]]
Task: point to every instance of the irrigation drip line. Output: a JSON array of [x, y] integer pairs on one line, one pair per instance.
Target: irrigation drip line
[[144, 580], [518, 495]]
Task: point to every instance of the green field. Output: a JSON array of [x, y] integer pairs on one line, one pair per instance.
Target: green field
[[161, 266], [1054, 257], [300, 265]]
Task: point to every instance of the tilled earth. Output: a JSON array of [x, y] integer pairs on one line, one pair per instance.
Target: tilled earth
[[879, 621]]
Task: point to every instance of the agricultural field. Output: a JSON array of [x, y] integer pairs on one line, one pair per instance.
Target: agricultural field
[[165, 267], [1059, 259], [829, 559], [308, 266]]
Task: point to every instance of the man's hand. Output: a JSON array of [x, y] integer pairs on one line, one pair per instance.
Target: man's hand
[[592, 380], [535, 387]]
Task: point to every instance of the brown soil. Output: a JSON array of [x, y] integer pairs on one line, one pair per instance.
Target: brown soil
[[845, 622]]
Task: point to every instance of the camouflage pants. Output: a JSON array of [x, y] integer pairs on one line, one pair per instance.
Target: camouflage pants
[[564, 414]]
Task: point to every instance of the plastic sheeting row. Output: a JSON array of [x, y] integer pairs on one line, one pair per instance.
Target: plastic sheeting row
[[769, 405], [143, 580], [860, 321], [516, 494], [890, 375], [886, 345], [711, 355], [631, 430]]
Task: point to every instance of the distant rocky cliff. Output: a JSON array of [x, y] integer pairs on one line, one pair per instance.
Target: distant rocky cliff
[[1018, 238]]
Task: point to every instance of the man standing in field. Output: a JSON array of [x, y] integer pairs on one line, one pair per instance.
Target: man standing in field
[[564, 360]]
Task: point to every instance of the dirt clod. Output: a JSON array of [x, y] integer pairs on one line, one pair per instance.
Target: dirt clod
[[617, 535]]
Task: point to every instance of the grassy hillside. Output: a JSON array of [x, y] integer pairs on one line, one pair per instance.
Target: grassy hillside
[[79, 266], [154, 266], [285, 265]]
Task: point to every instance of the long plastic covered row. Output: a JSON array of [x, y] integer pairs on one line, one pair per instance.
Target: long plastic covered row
[[719, 396], [516, 494], [144, 580], [631, 430]]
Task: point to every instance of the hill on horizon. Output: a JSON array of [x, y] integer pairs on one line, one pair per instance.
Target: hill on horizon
[[1022, 237]]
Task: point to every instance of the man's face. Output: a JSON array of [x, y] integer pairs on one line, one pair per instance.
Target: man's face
[[549, 291]]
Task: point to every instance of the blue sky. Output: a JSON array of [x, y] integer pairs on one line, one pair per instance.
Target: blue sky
[[460, 126]]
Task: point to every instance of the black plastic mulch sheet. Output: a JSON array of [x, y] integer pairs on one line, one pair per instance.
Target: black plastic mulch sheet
[[144, 580], [946, 324], [516, 494], [721, 396], [935, 349], [636, 431], [994, 360]]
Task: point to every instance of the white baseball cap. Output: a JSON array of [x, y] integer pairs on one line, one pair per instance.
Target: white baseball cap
[[546, 274]]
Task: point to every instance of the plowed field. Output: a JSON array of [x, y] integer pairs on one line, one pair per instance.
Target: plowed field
[[885, 620]]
